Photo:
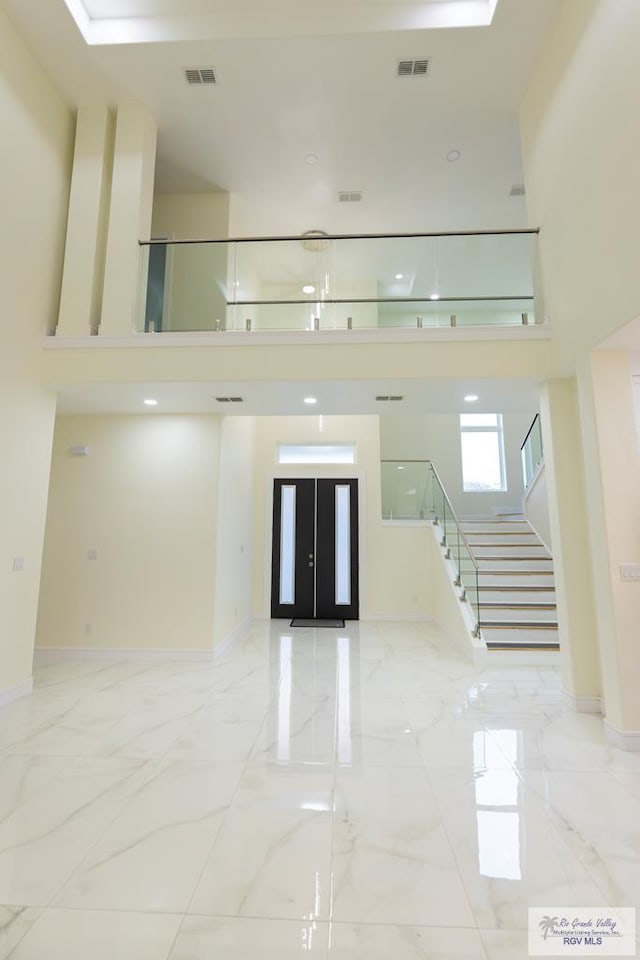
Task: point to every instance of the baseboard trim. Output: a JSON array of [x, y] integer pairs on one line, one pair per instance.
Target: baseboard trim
[[398, 617], [237, 632], [46, 655], [583, 704], [22, 689], [623, 739]]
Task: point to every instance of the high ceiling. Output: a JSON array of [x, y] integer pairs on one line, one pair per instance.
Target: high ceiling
[[308, 102], [314, 79]]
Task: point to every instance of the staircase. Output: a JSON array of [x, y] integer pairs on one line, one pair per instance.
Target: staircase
[[516, 585]]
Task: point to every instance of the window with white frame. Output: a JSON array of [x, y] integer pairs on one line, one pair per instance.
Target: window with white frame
[[482, 453]]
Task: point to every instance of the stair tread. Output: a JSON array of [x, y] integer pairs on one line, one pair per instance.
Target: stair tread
[[518, 605], [520, 624], [496, 645]]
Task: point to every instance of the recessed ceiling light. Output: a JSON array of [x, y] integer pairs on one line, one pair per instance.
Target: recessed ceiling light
[[399, 276], [400, 468], [311, 158], [308, 288], [149, 402], [453, 155], [434, 296], [310, 400], [471, 398]]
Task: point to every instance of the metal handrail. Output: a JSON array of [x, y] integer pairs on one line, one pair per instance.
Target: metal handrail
[[425, 299], [533, 423], [455, 518], [346, 236]]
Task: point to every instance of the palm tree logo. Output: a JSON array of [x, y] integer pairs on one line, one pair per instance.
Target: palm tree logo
[[548, 925]]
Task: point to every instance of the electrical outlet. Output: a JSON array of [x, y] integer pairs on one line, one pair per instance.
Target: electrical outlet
[[18, 564], [92, 554]]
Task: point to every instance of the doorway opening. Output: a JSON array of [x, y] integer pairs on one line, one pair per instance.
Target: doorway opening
[[314, 559]]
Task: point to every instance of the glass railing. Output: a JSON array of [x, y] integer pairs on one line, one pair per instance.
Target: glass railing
[[532, 452], [322, 282], [412, 490]]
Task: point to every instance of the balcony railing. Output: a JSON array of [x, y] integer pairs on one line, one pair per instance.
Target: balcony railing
[[321, 282]]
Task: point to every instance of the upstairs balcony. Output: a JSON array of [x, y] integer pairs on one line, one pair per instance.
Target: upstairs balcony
[[383, 283]]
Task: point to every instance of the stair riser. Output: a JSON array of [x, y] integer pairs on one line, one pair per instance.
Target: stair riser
[[507, 550], [507, 615], [509, 580], [503, 540], [524, 636], [497, 526]]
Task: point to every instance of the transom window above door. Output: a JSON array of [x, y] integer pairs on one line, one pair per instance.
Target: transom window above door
[[316, 453]]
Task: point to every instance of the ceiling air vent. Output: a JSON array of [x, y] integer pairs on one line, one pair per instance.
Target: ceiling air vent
[[390, 398], [350, 196], [413, 68], [517, 190], [200, 76], [230, 399]]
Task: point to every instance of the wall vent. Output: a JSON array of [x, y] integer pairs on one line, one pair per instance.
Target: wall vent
[[389, 398], [350, 196], [200, 76], [229, 399], [413, 68], [517, 190]]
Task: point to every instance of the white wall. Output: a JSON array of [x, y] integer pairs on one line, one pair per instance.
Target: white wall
[[536, 506], [394, 560], [235, 526], [436, 437], [35, 169], [145, 498], [581, 140]]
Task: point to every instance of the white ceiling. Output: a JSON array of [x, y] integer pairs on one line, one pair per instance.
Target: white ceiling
[[312, 77], [290, 87], [287, 398]]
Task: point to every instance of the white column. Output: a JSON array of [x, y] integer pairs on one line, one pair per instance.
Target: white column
[[86, 224], [130, 212], [613, 487], [569, 523]]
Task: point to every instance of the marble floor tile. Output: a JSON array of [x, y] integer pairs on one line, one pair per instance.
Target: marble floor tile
[[149, 728], [599, 819], [250, 939], [153, 853], [397, 873], [379, 942], [572, 742], [99, 934], [297, 731], [15, 922], [55, 810], [279, 788], [383, 793], [268, 864], [366, 792], [509, 854]]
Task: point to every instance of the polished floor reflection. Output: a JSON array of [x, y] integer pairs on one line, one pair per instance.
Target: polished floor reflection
[[348, 794]]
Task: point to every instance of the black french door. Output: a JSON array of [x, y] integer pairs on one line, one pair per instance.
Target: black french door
[[314, 559]]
